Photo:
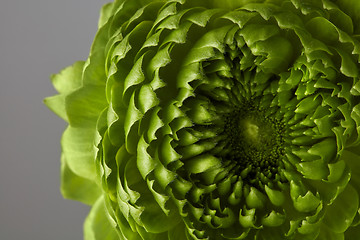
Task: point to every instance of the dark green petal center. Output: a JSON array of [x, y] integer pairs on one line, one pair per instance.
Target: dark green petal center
[[254, 140]]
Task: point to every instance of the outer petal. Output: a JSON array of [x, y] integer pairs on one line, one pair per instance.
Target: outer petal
[[77, 188], [341, 213], [79, 151], [352, 7], [105, 14], [64, 82], [97, 225]]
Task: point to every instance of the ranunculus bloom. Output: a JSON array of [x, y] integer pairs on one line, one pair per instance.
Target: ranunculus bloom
[[200, 119]]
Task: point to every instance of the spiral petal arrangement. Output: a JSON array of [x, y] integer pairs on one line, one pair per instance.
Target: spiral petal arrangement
[[200, 119]]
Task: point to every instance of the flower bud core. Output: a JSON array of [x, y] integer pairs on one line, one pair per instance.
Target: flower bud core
[[254, 140]]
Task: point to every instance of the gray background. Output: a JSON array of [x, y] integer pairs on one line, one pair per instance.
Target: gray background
[[37, 38]]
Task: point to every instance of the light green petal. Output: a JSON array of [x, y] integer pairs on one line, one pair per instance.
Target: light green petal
[[313, 169], [97, 225], [125, 228], [68, 79], [255, 198], [247, 218], [307, 203], [79, 151], [348, 66], [64, 82], [274, 219], [57, 105], [151, 236], [336, 170], [77, 188], [84, 105], [202, 163], [322, 28], [275, 197], [105, 14]]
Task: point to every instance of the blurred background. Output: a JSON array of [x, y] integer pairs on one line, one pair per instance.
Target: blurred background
[[37, 38]]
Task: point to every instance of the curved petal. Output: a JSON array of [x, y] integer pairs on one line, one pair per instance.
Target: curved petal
[[97, 225], [77, 188], [341, 213]]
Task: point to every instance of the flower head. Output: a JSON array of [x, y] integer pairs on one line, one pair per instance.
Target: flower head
[[201, 119]]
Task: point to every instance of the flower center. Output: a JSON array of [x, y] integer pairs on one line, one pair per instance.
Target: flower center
[[251, 132], [254, 141]]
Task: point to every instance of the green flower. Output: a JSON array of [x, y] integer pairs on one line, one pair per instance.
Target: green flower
[[207, 119]]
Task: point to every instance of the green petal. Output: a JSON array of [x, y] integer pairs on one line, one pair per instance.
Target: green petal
[[341, 213], [352, 8], [202, 163], [105, 14], [84, 105], [97, 225], [68, 79], [79, 151], [274, 219], [77, 188], [306, 203], [322, 28], [336, 171], [247, 218], [153, 218], [348, 66], [177, 233], [275, 197], [327, 234], [57, 105], [255, 199], [145, 163], [313, 169], [64, 82], [352, 159]]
